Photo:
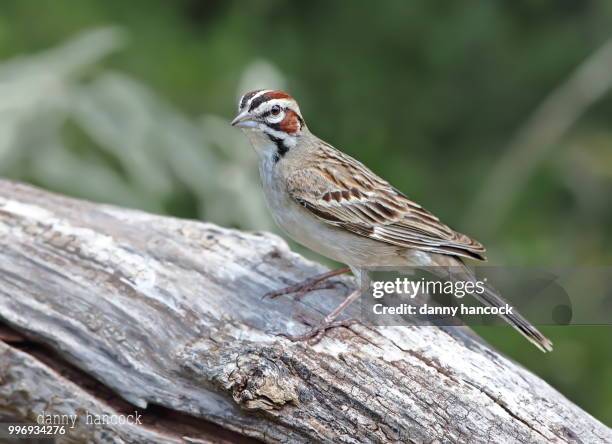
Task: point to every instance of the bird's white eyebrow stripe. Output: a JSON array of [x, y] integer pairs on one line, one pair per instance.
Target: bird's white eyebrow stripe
[[268, 104], [246, 98], [258, 94]]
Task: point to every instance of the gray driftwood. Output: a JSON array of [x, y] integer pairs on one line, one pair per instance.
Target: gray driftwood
[[112, 310]]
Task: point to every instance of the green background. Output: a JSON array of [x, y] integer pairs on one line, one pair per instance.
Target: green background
[[436, 96]]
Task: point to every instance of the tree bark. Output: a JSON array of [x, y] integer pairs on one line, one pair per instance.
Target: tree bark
[[108, 310]]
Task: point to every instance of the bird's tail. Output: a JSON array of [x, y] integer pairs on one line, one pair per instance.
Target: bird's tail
[[515, 319], [492, 298]]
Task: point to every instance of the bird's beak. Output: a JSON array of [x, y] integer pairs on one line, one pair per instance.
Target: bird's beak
[[244, 120]]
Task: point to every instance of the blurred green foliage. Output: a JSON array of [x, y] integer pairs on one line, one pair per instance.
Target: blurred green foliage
[[428, 93]]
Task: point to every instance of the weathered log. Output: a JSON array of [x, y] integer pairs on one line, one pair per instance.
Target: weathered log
[[114, 310]]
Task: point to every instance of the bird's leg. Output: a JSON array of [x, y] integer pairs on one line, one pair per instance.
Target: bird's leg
[[315, 335], [314, 283]]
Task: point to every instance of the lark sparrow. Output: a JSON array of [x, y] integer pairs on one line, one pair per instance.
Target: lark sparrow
[[334, 205]]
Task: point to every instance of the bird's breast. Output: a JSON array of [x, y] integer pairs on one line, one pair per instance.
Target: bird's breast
[[305, 228]]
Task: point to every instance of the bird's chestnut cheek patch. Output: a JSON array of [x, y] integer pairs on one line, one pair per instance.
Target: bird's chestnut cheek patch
[[291, 123]]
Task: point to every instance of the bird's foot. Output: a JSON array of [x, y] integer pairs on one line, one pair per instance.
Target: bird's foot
[[316, 334], [318, 282]]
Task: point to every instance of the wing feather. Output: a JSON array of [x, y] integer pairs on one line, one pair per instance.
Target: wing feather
[[347, 194]]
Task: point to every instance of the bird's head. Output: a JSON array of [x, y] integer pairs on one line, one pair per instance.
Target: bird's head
[[270, 116]]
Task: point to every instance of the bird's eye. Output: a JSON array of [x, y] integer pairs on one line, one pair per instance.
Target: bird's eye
[[275, 111]]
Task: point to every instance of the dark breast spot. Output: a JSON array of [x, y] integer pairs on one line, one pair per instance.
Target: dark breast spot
[[281, 149]]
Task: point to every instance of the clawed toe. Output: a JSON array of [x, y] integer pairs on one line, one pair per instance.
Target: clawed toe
[[299, 289], [319, 282], [316, 334]]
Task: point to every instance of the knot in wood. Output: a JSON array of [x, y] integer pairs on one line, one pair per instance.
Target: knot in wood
[[257, 377]]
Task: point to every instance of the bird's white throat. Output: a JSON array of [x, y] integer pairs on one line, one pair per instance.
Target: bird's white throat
[[260, 142], [269, 143]]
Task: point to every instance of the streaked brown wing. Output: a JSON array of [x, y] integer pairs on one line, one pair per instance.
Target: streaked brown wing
[[343, 192]]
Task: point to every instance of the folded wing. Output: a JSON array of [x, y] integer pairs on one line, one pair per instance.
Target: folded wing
[[344, 193]]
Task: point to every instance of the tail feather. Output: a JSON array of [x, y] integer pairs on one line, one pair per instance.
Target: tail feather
[[454, 268], [516, 320], [492, 298]]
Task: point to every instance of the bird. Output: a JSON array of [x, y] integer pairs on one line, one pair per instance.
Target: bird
[[336, 206]]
